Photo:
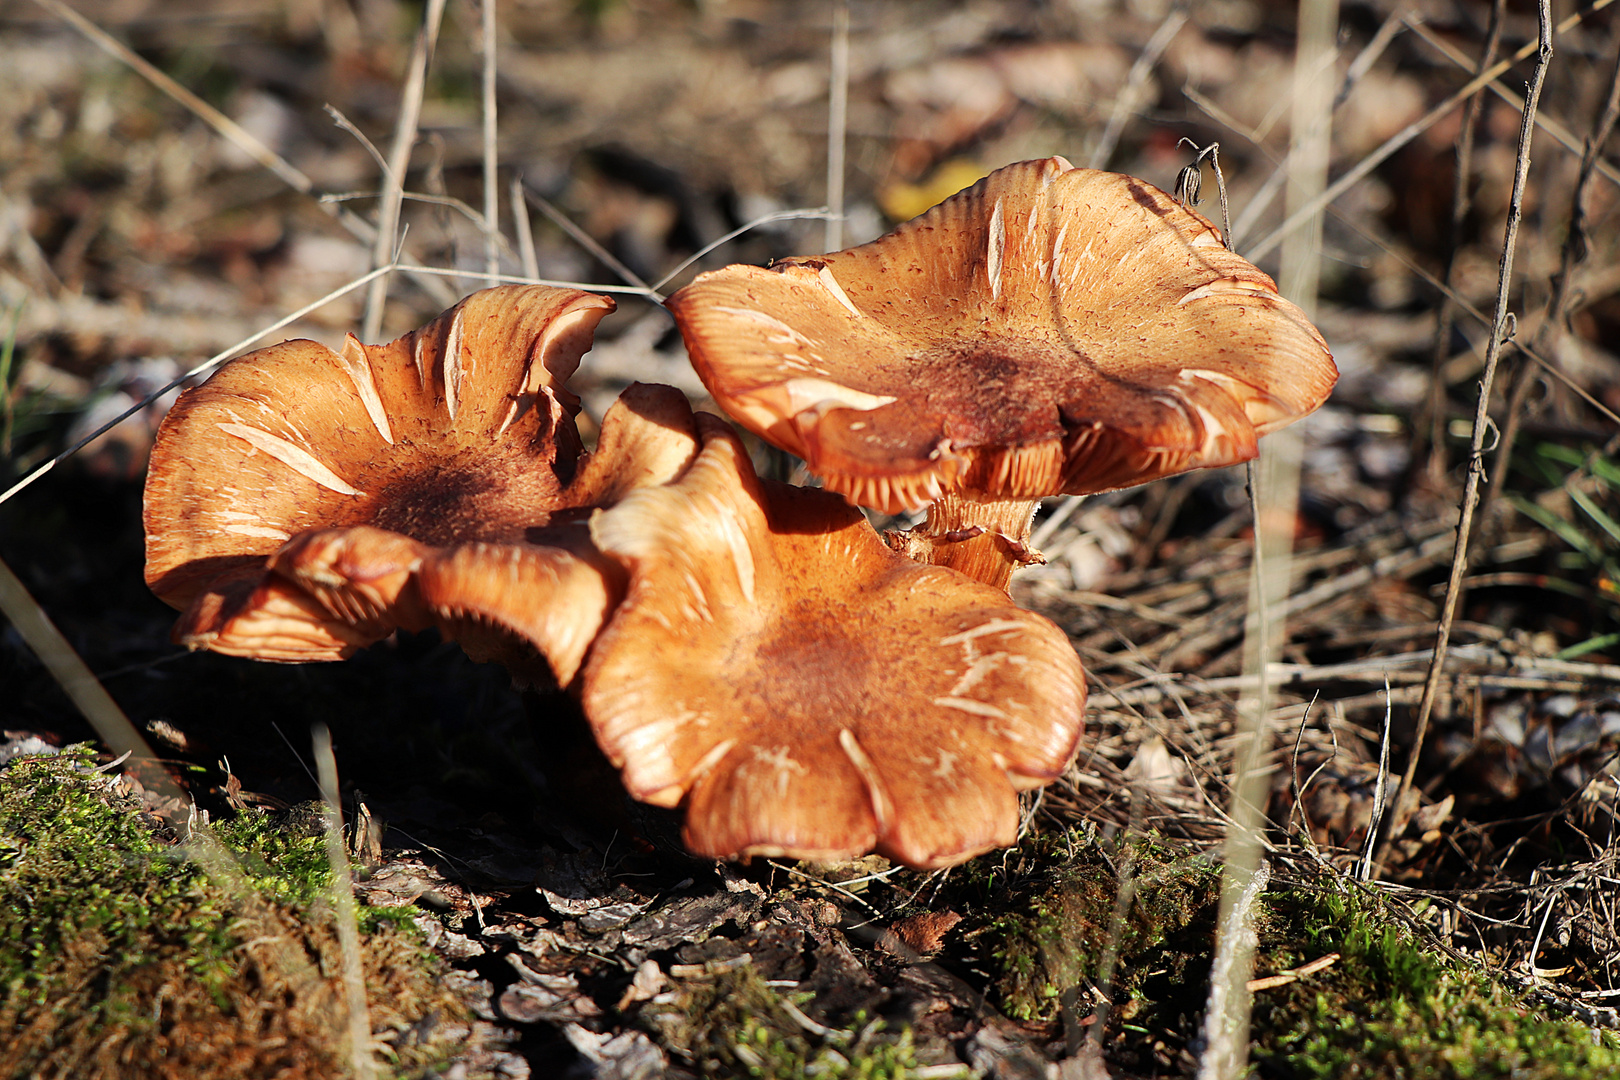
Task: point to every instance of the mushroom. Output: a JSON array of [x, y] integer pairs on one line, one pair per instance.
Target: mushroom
[[303, 503], [807, 692], [1049, 330]]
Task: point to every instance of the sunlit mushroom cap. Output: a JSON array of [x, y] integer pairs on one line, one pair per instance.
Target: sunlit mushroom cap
[[1049, 330], [339, 475], [806, 692]]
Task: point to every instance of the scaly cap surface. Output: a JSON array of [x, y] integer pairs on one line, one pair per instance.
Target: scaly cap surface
[[1049, 330]]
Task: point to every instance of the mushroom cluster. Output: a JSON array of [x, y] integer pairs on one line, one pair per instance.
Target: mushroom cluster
[[750, 651]]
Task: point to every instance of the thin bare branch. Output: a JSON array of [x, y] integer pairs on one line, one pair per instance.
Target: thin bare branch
[[1476, 453], [1552, 324]]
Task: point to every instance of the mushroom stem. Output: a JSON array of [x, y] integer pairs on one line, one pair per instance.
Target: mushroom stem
[[986, 539]]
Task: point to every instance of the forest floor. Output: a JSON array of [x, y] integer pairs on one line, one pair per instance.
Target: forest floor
[[562, 931]]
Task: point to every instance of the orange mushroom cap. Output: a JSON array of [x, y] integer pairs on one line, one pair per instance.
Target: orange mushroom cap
[[332, 485], [807, 692], [1049, 330]]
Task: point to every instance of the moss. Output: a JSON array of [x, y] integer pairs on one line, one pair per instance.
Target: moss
[[284, 855], [120, 956], [1391, 1007], [734, 1024], [1056, 930]]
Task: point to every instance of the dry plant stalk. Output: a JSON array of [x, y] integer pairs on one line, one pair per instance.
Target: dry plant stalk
[[399, 160], [525, 232], [74, 676], [1274, 489], [837, 124], [1476, 451], [342, 897], [492, 232]]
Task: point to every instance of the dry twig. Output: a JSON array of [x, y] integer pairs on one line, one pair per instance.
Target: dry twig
[[1476, 455], [1558, 302]]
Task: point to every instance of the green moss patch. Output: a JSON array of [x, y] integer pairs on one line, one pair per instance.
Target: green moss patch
[[121, 957], [1390, 1007], [735, 1024], [1058, 923]]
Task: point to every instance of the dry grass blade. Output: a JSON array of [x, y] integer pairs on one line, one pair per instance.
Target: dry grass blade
[[1530, 352], [588, 242], [354, 979], [1551, 126], [1274, 490], [837, 124], [1304, 971], [76, 679], [1124, 897], [492, 236], [1476, 454], [1257, 205], [765, 219], [1380, 789], [229, 129], [516, 279], [354, 132], [201, 369], [399, 159], [525, 232], [1392, 25]]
